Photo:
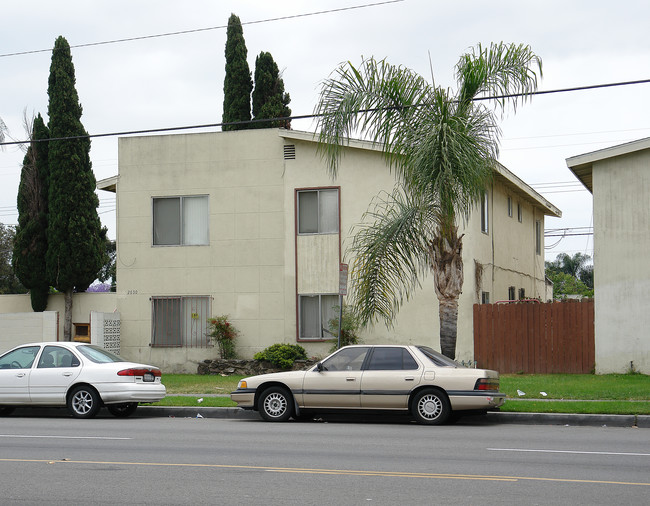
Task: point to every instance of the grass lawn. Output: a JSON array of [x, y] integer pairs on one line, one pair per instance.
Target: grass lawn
[[611, 393]]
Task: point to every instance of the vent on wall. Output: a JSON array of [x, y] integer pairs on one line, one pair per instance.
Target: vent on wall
[[289, 152]]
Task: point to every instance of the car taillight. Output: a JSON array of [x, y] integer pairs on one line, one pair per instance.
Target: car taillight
[[136, 371], [491, 384]]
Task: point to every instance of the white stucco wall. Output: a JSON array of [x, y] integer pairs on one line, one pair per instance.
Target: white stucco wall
[[19, 324], [621, 186]]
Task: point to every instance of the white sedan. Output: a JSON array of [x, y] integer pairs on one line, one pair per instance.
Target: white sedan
[[81, 376]]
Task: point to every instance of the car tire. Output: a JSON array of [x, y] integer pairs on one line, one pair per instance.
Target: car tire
[[6, 410], [84, 402], [431, 407], [275, 404], [122, 410]]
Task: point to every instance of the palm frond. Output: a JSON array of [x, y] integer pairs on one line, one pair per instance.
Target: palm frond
[[390, 251], [378, 100], [500, 70]]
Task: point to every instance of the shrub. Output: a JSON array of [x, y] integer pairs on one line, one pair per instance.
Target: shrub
[[282, 355], [349, 328], [223, 334]]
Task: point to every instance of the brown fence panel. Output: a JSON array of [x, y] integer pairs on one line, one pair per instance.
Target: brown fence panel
[[556, 337]]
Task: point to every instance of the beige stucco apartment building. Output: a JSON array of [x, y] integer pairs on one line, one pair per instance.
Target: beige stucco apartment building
[[619, 179], [250, 224]]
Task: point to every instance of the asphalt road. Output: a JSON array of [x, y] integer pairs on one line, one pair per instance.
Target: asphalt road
[[160, 461]]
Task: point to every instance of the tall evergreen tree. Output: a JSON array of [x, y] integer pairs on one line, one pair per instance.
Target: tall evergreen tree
[[30, 245], [269, 99], [237, 85], [9, 283], [76, 239]]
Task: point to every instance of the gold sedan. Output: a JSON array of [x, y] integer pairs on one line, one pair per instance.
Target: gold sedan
[[413, 379]]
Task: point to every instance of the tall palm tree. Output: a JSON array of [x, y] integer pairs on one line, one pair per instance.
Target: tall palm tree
[[442, 146]]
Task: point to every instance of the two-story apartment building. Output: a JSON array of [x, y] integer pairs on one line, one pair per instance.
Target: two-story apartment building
[[250, 224]]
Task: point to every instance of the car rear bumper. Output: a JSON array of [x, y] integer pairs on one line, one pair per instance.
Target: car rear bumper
[[132, 392], [476, 400]]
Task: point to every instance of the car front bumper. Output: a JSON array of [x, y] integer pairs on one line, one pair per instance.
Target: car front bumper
[[244, 397]]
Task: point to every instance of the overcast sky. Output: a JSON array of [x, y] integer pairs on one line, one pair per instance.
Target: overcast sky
[[177, 80]]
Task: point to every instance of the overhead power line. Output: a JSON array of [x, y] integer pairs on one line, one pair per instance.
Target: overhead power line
[[311, 116], [197, 30]]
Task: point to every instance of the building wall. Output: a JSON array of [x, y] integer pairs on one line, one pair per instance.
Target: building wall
[[621, 186], [255, 265], [19, 324]]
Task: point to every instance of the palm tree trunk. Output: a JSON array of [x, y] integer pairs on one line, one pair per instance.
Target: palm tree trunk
[[447, 267]]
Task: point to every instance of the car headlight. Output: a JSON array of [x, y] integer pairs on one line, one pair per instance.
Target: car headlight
[[242, 384]]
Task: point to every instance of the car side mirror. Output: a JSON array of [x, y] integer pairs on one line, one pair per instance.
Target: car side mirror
[[319, 367]]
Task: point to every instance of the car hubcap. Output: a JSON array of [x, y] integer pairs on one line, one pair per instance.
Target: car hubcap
[[275, 404], [82, 402], [430, 406]]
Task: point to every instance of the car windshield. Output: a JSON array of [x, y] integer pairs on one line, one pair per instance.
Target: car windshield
[[98, 355], [438, 358]]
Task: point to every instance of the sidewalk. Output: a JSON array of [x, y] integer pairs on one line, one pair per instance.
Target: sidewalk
[[492, 418]]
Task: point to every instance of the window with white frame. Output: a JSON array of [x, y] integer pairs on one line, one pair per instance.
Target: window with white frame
[[538, 237], [180, 321], [180, 221], [318, 211], [315, 312], [485, 297], [484, 214]]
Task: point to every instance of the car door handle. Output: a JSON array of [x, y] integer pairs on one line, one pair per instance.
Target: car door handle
[[20, 375], [350, 379], [409, 378], [67, 374]]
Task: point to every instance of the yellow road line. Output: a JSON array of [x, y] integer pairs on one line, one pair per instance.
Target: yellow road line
[[343, 472]]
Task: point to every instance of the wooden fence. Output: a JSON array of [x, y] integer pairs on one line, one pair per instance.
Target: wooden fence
[[556, 337]]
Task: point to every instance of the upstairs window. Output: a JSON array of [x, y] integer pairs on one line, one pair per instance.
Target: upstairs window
[[180, 221], [538, 237], [520, 212], [522, 293], [318, 211], [511, 293], [484, 214], [510, 207]]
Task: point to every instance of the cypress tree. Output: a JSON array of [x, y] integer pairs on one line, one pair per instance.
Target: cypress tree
[[76, 239], [237, 85], [269, 99], [30, 244]]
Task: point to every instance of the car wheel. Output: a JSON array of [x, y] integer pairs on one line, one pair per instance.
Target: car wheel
[[6, 410], [83, 402], [122, 410], [431, 407], [275, 404]]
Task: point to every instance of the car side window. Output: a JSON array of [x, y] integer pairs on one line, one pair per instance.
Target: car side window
[[391, 359], [22, 358], [55, 356], [348, 359]]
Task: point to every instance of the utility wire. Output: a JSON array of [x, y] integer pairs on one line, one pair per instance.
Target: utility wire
[[312, 116], [196, 30]]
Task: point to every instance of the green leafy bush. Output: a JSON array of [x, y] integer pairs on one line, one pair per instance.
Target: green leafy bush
[[223, 334], [282, 355], [349, 328]]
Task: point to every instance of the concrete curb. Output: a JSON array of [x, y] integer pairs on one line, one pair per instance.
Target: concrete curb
[[641, 421]]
